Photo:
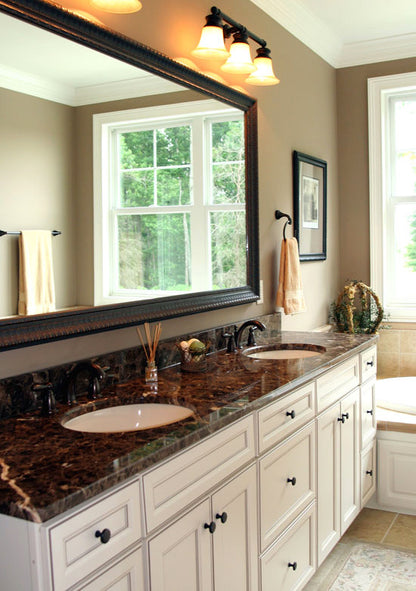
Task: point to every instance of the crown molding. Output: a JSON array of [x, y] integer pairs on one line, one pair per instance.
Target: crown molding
[[39, 87], [316, 35], [304, 25], [378, 50]]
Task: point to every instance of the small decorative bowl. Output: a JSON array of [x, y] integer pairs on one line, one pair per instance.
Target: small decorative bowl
[[193, 359]]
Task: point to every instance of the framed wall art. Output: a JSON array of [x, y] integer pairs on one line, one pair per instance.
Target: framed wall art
[[309, 207]]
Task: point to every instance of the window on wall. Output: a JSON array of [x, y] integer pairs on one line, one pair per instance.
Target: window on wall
[[392, 150], [170, 201]]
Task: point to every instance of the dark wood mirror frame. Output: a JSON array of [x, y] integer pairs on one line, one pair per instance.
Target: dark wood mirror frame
[[30, 330]]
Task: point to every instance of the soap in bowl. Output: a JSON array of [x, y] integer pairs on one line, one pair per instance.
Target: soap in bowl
[[128, 417], [284, 351]]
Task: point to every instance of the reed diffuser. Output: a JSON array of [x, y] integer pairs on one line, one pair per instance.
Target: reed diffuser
[[150, 372]]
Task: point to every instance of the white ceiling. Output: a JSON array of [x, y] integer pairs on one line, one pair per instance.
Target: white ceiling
[[349, 32]]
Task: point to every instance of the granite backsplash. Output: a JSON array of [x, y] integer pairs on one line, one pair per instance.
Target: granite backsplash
[[17, 396]]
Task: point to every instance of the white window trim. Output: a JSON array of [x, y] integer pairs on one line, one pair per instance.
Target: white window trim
[[378, 92], [102, 124]]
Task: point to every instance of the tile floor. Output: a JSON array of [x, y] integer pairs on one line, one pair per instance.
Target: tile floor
[[390, 530]]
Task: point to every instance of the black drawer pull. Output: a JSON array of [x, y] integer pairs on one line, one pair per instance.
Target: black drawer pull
[[104, 535], [293, 565], [370, 412], [223, 516], [211, 526], [292, 480], [369, 472], [370, 363], [291, 414], [345, 415]]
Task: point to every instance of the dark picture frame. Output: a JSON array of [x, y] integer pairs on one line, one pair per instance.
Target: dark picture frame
[[309, 206]]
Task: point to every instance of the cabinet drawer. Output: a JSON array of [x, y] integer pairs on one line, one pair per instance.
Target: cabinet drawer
[[337, 382], [368, 412], [76, 551], [125, 575], [368, 473], [296, 547], [285, 416], [368, 363], [287, 483], [175, 484]]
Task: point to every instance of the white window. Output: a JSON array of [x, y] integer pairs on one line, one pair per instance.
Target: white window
[[392, 151], [169, 201]]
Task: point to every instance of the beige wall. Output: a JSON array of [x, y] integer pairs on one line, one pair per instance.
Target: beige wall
[[299, 114], [36, 192], [353, 164]]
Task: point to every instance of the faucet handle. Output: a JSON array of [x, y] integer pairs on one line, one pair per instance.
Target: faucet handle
[[231, 347], [48, 398]]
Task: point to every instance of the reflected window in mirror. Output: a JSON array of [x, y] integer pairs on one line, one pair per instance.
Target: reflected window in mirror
[[169, 203]]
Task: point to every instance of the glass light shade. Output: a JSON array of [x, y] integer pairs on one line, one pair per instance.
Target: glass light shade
[[240, 61], [211, 45], [117, 6], [263, 75]]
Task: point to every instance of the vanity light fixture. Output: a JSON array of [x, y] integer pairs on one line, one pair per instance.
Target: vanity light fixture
[[117, 6], [212, 46]]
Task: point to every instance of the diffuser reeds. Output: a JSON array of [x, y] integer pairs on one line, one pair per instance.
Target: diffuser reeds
[[150, 349]]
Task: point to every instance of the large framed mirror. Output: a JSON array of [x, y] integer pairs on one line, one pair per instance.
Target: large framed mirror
[[89, 114]]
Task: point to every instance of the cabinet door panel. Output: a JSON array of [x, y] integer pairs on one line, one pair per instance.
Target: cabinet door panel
[[350, 460], [126, 575], [368, 473], [281, 501], [368, 413], [328, 481], [235, 541], [295, 547], [181, 555]]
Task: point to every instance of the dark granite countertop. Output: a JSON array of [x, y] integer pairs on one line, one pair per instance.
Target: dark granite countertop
[[47, 469]]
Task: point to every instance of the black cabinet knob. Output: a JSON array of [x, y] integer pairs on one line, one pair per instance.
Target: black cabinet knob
[[370, 363], [370, 412], [291, 414], [223, 516], [104, 535], [293, 565], [345, 415], [211, 526], [369, 472], [292, 480]]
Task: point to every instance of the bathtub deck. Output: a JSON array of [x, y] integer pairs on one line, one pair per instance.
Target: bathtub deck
[[389, 420]]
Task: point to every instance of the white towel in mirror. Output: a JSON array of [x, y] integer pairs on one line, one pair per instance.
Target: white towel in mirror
[[36, 280]]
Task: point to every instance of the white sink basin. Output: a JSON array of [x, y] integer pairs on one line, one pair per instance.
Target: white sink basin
[[130, 417], [280, 352]]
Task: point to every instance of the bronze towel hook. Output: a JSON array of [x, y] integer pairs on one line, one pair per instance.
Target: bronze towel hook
[[278, 215]]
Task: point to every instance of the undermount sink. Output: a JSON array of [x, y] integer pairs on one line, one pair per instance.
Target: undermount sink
[[282, 351], [130, 417]]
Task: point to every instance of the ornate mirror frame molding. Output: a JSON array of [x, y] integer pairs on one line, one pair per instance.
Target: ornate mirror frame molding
[[23, 331]]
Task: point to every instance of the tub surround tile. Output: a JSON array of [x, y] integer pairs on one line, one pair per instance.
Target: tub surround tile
[[389, 341], [407, 364], [388, 364], [46, 469]]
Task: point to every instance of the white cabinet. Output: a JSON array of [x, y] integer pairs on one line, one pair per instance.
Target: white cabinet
[[89, 538], [338, 471], [291, 561], [368, 473], [126, 575], [287, 483], [213, 546], [368, 413], [397, 471]]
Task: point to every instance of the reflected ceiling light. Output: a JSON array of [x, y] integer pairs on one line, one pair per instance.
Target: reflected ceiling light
[[263, 75], [186, 62], [117, 6], [212, 46], [87, 16], [240, 61]]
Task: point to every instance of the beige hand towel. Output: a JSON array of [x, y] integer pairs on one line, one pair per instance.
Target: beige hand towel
[[36, 281], [290, 293]]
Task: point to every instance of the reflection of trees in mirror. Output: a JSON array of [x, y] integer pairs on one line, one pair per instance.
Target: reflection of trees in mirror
[[171, 237]]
